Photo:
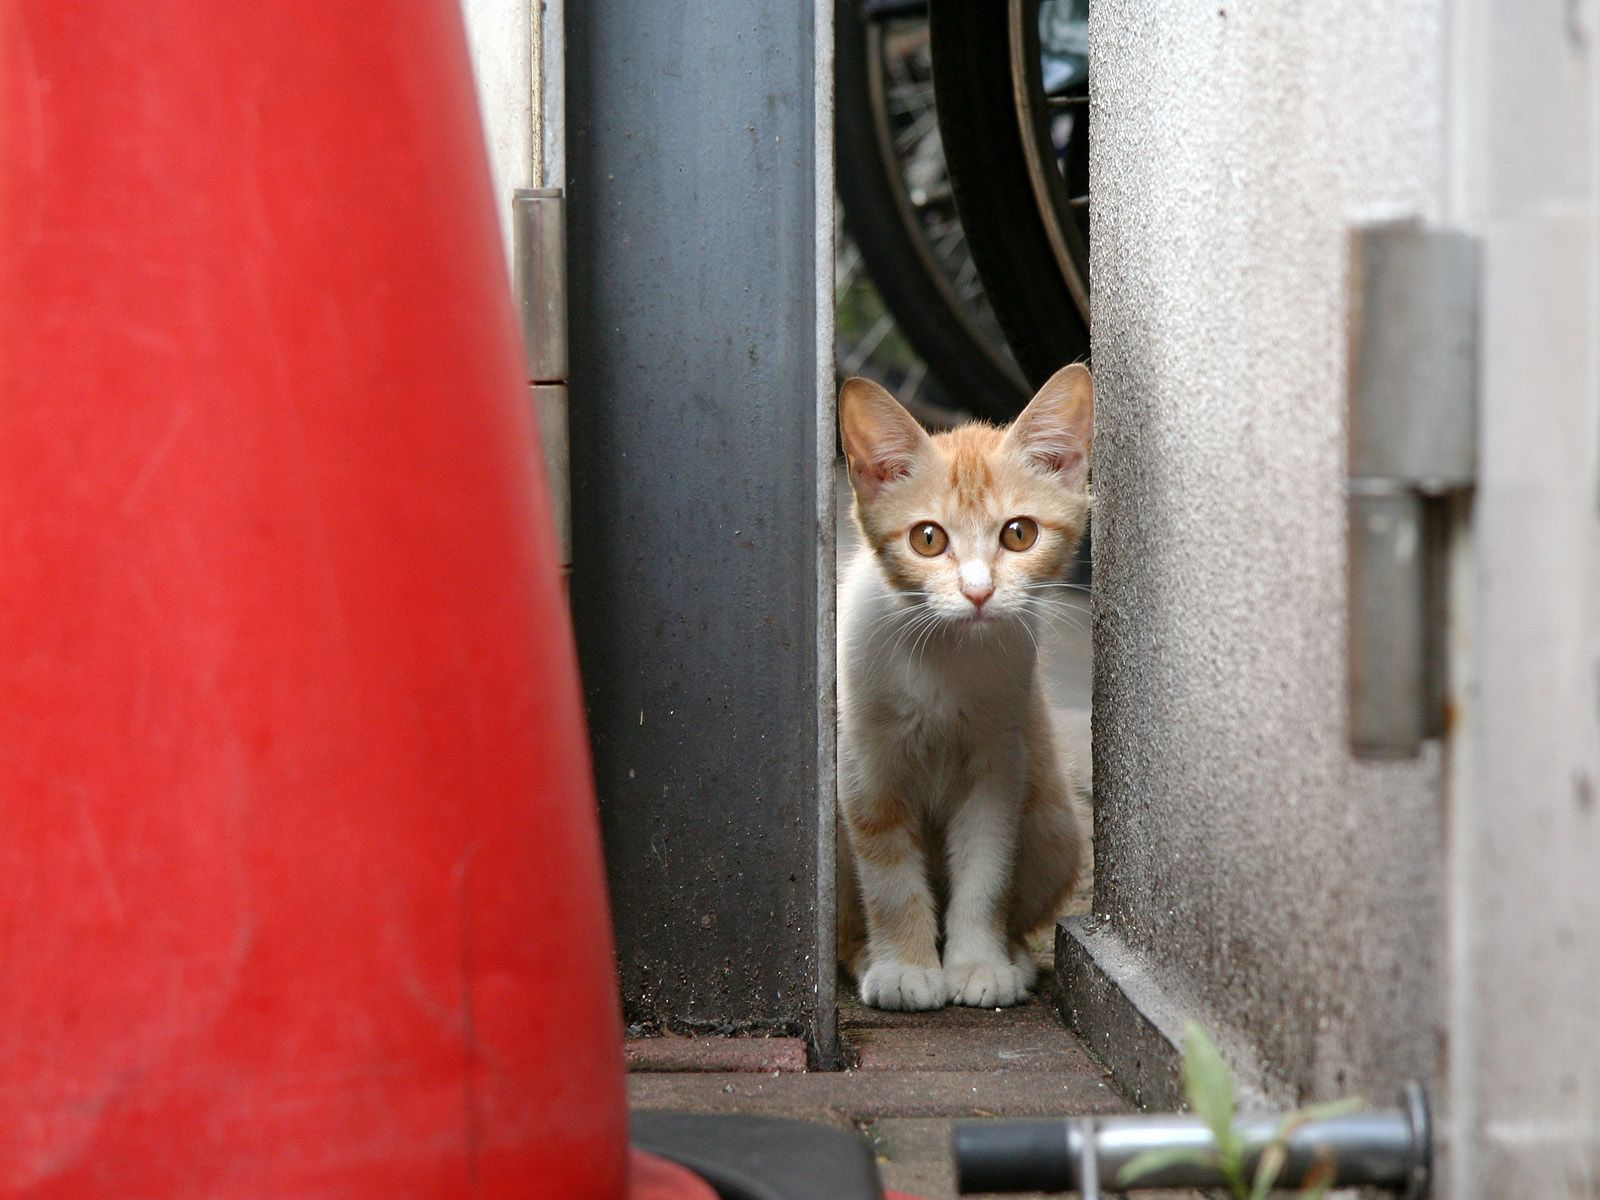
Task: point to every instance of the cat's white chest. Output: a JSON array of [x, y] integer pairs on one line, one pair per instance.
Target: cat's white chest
[[941, 722], [930, 711], [964, 692]]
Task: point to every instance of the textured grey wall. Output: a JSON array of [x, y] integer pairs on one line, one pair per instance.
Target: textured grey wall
[[1291, 893]]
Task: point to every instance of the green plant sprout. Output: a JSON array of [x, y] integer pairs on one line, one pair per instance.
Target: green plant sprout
[[1209, 1087]]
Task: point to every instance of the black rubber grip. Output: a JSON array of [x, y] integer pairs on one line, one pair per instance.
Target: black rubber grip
[[1013, 1156]]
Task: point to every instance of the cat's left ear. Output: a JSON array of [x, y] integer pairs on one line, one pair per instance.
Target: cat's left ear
[[1056, 430], [882, 441]]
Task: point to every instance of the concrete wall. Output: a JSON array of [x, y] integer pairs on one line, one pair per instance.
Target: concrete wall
[[1524, 1097], [1287, 895]]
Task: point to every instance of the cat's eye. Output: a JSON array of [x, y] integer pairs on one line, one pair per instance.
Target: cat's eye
[[1019, 533], [928, 540]]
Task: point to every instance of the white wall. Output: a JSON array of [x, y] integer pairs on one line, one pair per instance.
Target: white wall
[[503, 35], [1525, 1022]]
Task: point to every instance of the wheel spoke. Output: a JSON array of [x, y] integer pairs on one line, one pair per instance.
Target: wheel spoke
[[921, 127], [864, 348]]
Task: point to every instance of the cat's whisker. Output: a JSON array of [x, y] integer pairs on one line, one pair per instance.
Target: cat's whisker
[[888, 624], [914, 602], [1065, 617], [1053, 585], [895, 621], [912, 630], [1057, 603], [902, 631], [1027, 627], [1101, 600], [1057, 611], [915, 629], [928, 632]]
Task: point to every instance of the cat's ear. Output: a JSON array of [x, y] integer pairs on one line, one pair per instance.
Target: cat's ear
[[881, 439], [1056, 430]]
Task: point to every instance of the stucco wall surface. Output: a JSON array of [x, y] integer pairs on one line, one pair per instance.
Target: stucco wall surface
[[1292, 892]]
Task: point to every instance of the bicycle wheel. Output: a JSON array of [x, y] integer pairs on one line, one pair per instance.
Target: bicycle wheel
[[1017, 150], [899, 211]]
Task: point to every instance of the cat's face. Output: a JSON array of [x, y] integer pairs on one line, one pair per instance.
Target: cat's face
[[977, 524]]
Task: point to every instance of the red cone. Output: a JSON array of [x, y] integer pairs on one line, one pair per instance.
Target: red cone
[[300, 886]]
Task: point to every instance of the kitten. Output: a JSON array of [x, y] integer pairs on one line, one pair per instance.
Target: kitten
[[955, 812]]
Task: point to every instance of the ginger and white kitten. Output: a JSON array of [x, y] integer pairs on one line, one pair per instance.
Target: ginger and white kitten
[[956, 816]]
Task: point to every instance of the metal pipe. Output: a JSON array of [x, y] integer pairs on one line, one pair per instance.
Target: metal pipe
[[1385, 1148]]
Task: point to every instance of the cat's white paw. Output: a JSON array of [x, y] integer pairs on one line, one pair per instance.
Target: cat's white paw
[[1027, 968], [986, 984], [902, 986]]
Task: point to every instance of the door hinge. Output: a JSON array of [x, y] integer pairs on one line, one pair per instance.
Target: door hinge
[[539, 251], [1413, 364]]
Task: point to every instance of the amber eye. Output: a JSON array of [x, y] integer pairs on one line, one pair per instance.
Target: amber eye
[[928, 539], [1019, 533]]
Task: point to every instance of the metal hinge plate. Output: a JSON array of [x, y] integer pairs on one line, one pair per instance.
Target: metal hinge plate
[[1412, 445], [539, 230]]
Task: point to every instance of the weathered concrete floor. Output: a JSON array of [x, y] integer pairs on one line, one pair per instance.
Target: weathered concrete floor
[[916, 1074]]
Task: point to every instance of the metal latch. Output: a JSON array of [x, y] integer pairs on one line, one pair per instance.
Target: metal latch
[[539, 252], [1412, 442], [1388, 1148]]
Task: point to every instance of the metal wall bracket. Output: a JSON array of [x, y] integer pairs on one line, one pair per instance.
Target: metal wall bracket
[[539, 232], [1412, 444]]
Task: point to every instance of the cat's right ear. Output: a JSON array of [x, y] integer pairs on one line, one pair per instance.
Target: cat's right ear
[[881, 439], [1056, 429]]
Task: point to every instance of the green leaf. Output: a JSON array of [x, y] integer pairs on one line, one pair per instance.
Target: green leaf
[[1233, 1175], [1208, 1084], [1272, 1159], [1148, 1162]]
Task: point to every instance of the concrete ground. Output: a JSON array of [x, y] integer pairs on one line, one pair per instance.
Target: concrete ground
[[915, 1075]]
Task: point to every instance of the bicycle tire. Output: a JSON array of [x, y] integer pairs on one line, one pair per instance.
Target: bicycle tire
[[922, 301], [974, 93]]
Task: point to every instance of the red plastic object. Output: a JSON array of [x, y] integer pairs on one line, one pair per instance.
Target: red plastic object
[[662, 1180], [300, 887]]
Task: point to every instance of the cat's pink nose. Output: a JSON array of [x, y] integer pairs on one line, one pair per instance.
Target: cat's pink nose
[[978, 593]]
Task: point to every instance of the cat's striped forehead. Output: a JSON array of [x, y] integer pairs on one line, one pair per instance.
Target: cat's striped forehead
[[969, 450]]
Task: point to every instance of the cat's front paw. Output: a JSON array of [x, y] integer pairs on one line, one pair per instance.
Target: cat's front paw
[[903, 987], [985, 983]]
